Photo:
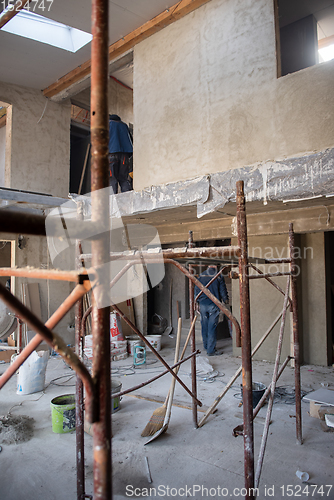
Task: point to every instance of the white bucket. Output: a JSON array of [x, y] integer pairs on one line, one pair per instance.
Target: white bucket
[[155, 341], [116, 387], [132, 343]]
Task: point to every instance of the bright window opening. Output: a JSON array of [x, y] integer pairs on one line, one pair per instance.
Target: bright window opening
[[41, 29], [326, 53]]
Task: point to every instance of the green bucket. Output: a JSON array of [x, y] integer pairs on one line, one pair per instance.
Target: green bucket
[[63, 413]]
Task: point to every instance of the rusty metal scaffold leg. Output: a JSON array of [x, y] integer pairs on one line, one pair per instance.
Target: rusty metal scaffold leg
[[101, 249], [193, 338], [246, 350], [294, 273]]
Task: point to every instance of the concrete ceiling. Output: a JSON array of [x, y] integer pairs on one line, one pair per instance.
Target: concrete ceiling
[[32, 64]]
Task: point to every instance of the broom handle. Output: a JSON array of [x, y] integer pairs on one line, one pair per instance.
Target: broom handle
[[176, 370], [176, 357]]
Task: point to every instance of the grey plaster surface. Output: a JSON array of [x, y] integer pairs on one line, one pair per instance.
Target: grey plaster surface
[[209, 457]]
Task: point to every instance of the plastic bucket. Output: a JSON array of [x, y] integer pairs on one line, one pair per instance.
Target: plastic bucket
[[155, 341], [258, 389], [132, 342], [63, 413], [116, 387]]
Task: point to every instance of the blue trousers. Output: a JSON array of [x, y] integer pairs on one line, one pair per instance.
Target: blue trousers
[[209, 322]]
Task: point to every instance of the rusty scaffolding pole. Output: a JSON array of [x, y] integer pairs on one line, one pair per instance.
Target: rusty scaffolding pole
[[101, 249]]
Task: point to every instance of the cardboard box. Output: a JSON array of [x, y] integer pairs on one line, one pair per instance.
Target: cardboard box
[[10, 341], [6, 355]]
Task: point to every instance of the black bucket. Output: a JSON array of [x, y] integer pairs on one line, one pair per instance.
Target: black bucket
[[258, 389]]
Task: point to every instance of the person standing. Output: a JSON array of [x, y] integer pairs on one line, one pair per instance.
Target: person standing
[[208, 309], [120, 155]]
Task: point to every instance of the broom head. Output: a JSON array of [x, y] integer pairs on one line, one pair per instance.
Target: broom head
[[155, 423]]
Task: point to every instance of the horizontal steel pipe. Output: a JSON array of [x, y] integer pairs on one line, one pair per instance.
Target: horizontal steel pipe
[[45, 274]]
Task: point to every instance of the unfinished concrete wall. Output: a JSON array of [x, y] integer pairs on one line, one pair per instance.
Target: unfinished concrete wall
[[266, 302], [40, 143], [207, 99], [38, 159], [2, 155], [313, 299], [120, 100]]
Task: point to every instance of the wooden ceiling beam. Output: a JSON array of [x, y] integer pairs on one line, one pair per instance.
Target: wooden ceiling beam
[[8, 13], [325, 42], [169, 16]]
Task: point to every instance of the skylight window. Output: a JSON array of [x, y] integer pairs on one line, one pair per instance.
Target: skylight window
[[41, 29]]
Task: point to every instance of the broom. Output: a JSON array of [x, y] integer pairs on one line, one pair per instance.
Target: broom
[[158, 416]]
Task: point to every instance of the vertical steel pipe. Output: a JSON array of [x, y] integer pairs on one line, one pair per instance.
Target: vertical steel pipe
[[20, 336], [101, 248], [193, 338], [246, 350], [79, 399], [294, 273], [272, 389]]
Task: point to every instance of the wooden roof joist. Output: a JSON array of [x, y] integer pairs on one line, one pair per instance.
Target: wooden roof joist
[[169, 16]]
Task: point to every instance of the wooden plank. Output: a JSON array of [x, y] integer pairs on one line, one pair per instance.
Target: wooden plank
[[160, 400], [325, 42], [323, 396], [6, 15], [126, 43]]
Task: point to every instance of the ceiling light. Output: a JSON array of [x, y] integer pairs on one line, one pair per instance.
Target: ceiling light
[[41, 29]]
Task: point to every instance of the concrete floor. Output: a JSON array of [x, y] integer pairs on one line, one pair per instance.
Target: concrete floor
[[209, 457]]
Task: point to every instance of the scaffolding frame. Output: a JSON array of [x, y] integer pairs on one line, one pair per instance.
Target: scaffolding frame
[[235, 255], [97, 384]]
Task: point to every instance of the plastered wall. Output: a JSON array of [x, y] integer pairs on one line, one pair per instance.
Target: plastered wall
[[207, 99], [38, 159], [266, 302], [39, 155], [120, 100]]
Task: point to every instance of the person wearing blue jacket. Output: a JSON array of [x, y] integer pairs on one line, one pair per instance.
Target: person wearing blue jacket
[[120, 154], [209, 311]]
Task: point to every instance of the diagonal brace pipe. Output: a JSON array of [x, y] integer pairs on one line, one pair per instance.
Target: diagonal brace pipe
[[55, 341]]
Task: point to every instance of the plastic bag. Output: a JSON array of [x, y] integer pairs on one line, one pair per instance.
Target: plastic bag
[[31, 376]]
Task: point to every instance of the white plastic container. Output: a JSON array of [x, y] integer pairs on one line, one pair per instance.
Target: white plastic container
[[155, 341]]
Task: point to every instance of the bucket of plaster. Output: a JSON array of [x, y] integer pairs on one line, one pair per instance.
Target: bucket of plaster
[[116, 387], [133, 342], [258, 389], [63, 413], [155, 341]]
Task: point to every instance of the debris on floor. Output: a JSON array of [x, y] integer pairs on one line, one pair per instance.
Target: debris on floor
[[16, 429]]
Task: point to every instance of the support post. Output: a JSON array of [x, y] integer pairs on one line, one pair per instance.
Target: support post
[[101, 249], [79, 399], [295, 329], [193, 338], [246, 350]]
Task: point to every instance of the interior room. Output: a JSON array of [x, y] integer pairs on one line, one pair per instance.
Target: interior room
[[166, 242]]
